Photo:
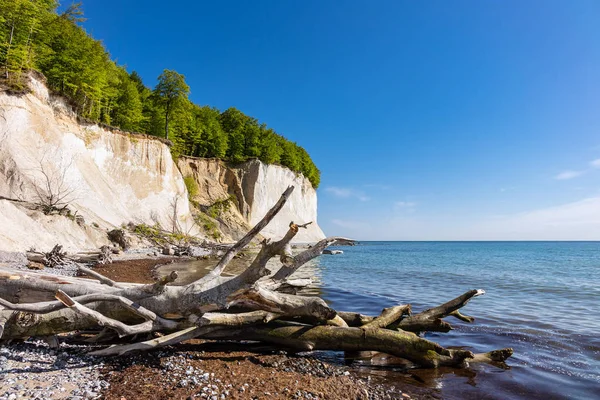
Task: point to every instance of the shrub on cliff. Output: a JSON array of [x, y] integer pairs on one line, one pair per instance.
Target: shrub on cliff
[[191, 185]]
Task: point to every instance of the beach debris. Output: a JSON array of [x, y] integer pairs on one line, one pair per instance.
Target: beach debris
[[35, 265], [168, 251], [119, 237], [105, 255], [332, 252]]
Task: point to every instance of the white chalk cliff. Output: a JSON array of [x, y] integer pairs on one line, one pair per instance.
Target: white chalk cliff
[[255, 188], [112, 178], [109, 178]]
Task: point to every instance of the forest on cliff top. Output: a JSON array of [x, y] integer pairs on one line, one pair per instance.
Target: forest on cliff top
[[33, 35]]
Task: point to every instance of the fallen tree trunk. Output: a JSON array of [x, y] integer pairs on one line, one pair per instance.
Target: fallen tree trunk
[[248, 306]]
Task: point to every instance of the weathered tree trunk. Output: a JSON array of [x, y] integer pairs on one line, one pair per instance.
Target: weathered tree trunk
[[12, 31], [40, 304]]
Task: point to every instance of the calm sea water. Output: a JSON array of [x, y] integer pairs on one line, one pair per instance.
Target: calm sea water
[[542, 299]]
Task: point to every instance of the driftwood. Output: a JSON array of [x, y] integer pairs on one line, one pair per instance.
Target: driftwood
[[57, 258], [255, 305], [105, 255]]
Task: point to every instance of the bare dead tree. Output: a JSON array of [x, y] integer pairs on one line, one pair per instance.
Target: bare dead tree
[[105, 255], [248, 306], [174, 212], [52, 193]]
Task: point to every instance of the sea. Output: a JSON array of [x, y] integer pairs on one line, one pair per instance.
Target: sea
[[542, 299]]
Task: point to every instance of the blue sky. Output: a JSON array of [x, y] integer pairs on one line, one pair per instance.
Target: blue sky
[[436, 120]]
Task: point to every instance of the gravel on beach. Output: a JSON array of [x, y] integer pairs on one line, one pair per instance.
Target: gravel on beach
[[33, 370], [234, 373]]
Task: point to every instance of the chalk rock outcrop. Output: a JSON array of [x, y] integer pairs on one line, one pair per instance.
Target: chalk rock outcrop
[[108, 178], [254, 187]]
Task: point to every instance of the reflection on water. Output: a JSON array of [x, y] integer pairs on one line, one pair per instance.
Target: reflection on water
[[542, 299]]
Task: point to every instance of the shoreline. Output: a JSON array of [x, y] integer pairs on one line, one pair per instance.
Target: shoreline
[[193, 369], [261, 367]]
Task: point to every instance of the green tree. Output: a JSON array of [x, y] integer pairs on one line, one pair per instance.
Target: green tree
[[79, 67], [270, 150], [252, 136], [128, 109], [20, 23], [290, 157], [182, 128], [171, 90], [233, 122], [212, 140], [151, 121], [308, 168]]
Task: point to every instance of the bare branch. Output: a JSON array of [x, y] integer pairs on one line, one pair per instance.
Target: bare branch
[[259, 298], [243, 242], [355, 319], [104, 280], [431, 319], [159, 285], [167, 340], [152, 320], [208, 323], [458, 315], [224, 319], [49, 183], [50, 306], [388, 316], [495, 356], [299, 260]]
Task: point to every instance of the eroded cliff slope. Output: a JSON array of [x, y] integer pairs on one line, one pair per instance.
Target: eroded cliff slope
[[254, 187]]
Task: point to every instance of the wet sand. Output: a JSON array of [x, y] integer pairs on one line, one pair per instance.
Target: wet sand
[[136, 271], [236, 371]]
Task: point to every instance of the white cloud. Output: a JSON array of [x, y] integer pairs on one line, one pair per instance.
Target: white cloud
[[339, 192], [569, 175], [347, 193], [405, 204], [377, 186], [347, 224], [595, 163], [577, 220]]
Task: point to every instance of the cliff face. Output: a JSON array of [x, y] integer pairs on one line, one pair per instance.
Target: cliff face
[[107, 178], [111, 178], [255, 187]]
